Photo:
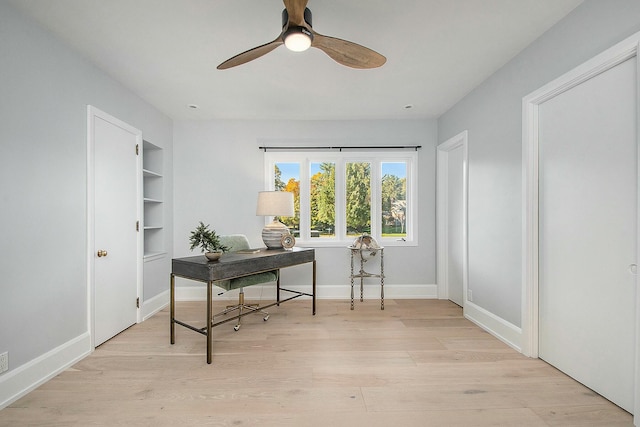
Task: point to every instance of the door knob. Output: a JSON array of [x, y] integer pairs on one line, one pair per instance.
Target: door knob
[[102, 253], [633, 269]]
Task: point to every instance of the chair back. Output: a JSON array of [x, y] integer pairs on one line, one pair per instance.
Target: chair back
[[235, 242]]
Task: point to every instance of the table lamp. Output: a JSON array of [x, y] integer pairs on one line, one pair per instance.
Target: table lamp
[[274, 203]]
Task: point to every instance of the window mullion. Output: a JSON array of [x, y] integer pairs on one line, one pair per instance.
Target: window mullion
[[340, 214], [305, 201], [376, 198]]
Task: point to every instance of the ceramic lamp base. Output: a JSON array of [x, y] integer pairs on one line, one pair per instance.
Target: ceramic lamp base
[[272, 234]]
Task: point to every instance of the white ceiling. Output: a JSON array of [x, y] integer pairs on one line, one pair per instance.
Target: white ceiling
[[167, 51]]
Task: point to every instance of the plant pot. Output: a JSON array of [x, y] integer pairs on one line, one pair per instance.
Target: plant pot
[[213, 256]]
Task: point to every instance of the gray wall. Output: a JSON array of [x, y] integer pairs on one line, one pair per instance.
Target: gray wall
[[219, 170], [44, 91], [492, 114]]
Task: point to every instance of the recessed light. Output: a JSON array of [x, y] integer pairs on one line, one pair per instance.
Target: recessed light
[[193, 106]]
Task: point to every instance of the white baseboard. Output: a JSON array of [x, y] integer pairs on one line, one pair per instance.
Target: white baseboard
[[155, 304], [268, 292], [496, 326], [23, 379]]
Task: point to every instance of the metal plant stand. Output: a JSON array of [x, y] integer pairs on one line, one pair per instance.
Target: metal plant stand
[[362, 274]]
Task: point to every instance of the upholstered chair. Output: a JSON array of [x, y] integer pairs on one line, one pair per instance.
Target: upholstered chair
[[239, 242]]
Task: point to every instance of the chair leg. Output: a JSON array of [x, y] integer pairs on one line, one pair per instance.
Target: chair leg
[[241, 306]]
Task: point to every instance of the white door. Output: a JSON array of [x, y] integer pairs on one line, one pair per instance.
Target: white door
[[588, 232], [116, 240], [452, 219]]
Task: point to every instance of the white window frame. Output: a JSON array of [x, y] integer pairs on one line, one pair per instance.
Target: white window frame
[[305, 158]]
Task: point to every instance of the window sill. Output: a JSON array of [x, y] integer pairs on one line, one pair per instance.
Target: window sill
[[346, 243]]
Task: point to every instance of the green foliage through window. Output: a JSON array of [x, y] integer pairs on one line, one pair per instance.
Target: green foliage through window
[[323, 199], [358, 196]]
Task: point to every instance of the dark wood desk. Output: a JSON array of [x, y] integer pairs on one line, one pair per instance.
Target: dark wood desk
[[233, 265]]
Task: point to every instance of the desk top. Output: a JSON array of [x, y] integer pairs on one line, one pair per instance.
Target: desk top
[[238, 264]]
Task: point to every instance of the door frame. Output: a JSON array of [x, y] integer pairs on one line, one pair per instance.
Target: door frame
[[619, 53], [442, 214], [92, 114]]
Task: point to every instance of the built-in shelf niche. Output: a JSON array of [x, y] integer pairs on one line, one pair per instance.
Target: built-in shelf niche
[[153, 190]]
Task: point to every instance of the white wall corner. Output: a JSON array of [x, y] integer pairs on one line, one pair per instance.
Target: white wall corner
[[26, 378], [496, 326], [155, 304]]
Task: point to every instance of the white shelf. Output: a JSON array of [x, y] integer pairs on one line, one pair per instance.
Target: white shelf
[[153, 193], [150, 174], [151, 256], [152, 160]]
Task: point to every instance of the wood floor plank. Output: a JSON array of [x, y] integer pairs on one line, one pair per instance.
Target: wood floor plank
[[464, 356], [417, 363], [478, 396], [503, 372], [608, 415]]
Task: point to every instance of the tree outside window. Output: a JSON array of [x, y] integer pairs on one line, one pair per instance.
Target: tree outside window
[[287, 178], [358, 198], [322, 191]]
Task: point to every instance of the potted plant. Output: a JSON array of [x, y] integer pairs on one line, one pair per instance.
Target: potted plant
[[208, 241]]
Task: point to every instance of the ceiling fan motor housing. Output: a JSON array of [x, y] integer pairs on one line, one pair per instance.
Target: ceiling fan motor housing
[[307, 17], [297, 38]]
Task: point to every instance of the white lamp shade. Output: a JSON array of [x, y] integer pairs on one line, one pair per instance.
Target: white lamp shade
[[275, 203]]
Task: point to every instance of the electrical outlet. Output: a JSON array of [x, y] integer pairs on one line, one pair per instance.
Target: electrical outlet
[[469, 295], [4, 362]]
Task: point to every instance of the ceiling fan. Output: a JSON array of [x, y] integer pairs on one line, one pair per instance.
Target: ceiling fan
[[298, 35]]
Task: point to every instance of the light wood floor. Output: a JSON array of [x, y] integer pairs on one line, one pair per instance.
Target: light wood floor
[[417, 363]]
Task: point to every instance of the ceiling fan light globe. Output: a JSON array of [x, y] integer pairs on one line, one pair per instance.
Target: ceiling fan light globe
[[298, 39]]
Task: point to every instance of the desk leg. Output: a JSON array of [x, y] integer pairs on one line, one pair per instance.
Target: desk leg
[[209, 321], [278, 289], [313, 289], [172, 315]]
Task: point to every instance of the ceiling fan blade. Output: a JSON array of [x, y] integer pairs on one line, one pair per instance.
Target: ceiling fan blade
[[348, 53], [251, 54], [295, 9]]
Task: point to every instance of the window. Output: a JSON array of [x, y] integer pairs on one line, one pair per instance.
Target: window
[[339, 196], [286, 177], [322, 199], [393, 191]]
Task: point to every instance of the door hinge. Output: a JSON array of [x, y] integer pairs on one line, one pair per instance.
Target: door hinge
[[137, 225], [138, 302], [137, 149]]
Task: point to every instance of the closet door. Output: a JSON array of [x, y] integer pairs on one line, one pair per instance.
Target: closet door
[[588, 215], [116, 253]]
